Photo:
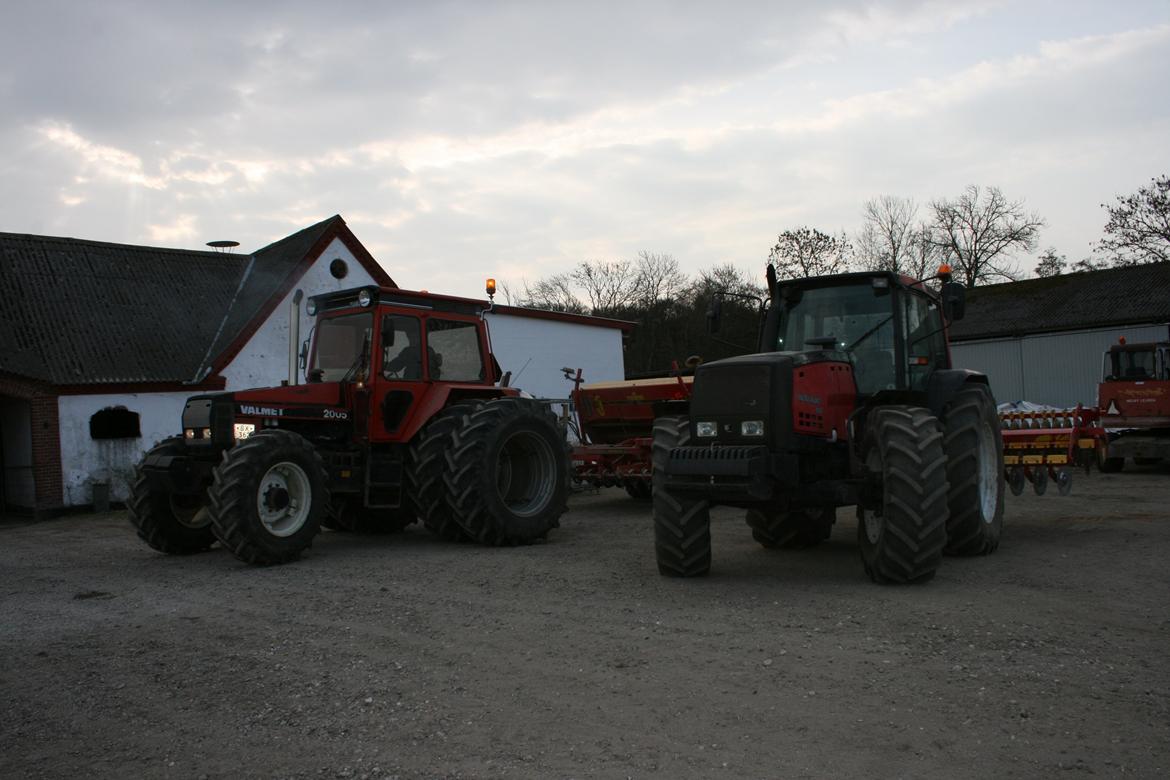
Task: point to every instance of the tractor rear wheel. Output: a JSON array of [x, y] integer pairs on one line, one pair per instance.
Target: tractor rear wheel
[[268, 497], [169, 522], [793, 529], [507, 474], [428, 460], [974, 450], [902, 537], [682, 526]]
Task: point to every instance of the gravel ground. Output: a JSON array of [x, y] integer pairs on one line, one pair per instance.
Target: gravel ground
[[405, 656]]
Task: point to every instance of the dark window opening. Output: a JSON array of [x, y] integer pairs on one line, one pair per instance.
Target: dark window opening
[[339, 268], [115, 422]]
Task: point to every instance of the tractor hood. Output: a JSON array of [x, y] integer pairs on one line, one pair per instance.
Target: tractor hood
[[213, 415]]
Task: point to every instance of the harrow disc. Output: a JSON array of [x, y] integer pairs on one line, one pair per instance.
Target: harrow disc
[[1016, 481]]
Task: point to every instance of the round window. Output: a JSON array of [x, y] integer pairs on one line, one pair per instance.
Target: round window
[[339, 268]]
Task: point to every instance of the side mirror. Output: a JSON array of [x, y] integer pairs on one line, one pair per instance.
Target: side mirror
[[304, 357], [714, 313], [954, 300]]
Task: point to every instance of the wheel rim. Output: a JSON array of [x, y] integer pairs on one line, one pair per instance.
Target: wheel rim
[[186, 511], [872, 518], [283, 499], [988, 473], [526, 476]]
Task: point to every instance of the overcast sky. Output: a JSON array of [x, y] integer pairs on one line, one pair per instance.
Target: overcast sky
[[460, 140]]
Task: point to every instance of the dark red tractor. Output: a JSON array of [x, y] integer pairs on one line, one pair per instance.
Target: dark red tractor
[[404, 417], [851, 401]]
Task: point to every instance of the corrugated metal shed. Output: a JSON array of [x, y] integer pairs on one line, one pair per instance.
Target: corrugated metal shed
[[76, 312], [1059, 369]]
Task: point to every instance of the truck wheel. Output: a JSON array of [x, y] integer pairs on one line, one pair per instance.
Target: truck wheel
[[428, 460], [507, 474], [1106, 464], [172, 523], [682, 526], [791, 530], [974, 450], [268, 497], [902, 538]]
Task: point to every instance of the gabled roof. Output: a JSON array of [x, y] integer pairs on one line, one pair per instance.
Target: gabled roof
[[1091, 299], [75, 312]]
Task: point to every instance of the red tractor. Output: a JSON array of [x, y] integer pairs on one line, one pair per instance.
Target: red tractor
[[1134, 399], [404, 417], [851, 400]]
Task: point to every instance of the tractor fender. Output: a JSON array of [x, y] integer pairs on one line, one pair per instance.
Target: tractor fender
[[942, 386]]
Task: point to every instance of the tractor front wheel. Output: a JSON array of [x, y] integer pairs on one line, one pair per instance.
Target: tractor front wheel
[[682, 526], [903, 535], [793, 529], [507, 472], [268, 497], [974, 450], [170, 522]]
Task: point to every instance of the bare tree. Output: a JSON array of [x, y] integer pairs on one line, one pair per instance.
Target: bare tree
[[980, 230], [1050, 263], [892, 239], [1138, 230], [658, 278], [608, 285], [554, 293], [809, 252]]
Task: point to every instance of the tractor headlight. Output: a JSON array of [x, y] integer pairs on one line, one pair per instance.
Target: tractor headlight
[[311, 307], [189, 433], [364, 298], [706, 429], [751, 428], [243, 430]]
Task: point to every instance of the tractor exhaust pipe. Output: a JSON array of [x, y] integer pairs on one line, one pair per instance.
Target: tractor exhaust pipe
[[294, 336]]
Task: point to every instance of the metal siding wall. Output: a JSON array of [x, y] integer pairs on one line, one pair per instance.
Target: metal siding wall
[[1057, 369], [1000, 360]]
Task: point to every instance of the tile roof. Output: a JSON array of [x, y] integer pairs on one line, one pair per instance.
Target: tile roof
[[75, 312], [1090, 299]]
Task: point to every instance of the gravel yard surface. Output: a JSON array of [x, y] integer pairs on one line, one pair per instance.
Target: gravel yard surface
[[403, 656]]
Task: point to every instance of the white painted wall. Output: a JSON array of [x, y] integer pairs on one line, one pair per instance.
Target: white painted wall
[[16, 435], [534, 350], [85, 460], [263, 361]]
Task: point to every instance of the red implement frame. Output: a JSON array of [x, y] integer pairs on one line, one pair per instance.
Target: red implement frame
[[1046, 444], [615, 421]]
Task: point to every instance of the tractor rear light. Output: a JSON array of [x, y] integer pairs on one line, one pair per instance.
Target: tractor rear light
[[243, 430], [751, 428], [706, 429]]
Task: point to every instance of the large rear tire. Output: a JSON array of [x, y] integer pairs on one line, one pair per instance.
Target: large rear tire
[[507, 473], [902, 538], [682, 526], [794, 529], [428, 460], [974, 450], [268, 497], [171, 523]]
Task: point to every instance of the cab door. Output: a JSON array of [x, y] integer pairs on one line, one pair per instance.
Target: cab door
[[398, 378]]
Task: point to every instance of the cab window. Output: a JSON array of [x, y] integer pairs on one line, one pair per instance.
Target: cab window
[[401, 355], [453, 350], [926, 348]]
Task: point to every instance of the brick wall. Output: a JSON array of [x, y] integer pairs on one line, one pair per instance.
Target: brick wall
[[46, 440]]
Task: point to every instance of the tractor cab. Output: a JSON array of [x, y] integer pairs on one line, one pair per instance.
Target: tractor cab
[[1135, 381], [888, 327]]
